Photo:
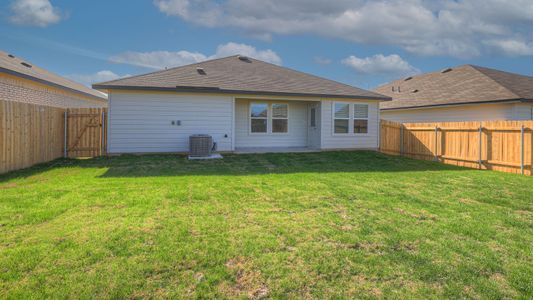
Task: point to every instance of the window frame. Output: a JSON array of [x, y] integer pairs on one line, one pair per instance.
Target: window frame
[[250, 118], [351, 113], [272, 118], [334, 118], [269, 118], [367, 119], [312, 117]]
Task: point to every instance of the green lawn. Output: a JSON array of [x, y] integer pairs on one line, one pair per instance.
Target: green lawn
[[313, 225]]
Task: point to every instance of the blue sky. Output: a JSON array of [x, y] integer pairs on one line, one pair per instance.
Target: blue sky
[[362, 43]]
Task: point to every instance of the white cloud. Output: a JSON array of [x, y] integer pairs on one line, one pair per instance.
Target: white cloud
[[428, 27], [163, 59], [379, 64], [158, 59], [101, 76], [247, 50], [512, 47], [38, 13]]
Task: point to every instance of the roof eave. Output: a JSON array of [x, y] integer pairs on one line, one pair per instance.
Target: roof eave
[[457, 104], [46, 82], [228, 91]]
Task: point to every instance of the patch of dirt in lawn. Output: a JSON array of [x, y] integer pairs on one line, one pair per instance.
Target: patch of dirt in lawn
[[249, 281], [524, 213], [501, 281], [8, 186], [422, 215]]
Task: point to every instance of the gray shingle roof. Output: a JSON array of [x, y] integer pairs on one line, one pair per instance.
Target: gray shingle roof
[[237, 74], [461, 85], [13, 65]]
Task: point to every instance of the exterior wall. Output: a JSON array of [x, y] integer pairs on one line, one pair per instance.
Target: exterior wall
[[523, 111], [296, 137], [331, 140], [17, 89], [479, 112], [141, 122]]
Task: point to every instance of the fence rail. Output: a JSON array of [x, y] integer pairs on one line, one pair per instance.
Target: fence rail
[[32, 134], [493, 145]]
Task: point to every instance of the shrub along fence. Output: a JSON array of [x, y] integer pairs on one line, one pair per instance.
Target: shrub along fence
[[31, 134], [493, 145]]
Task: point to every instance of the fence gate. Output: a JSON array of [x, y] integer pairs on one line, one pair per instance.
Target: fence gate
[[85, 134]]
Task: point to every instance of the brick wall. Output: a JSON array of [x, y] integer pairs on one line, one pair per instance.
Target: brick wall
[[22, 90]]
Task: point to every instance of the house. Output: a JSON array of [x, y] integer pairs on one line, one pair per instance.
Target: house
[[464, 93], [246, 105], [22, 81]]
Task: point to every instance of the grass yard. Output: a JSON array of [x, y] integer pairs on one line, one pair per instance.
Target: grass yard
[[313, 225]]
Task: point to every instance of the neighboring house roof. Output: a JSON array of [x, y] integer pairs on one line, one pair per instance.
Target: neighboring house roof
[[13, 65], [465, 84], [240, 75]]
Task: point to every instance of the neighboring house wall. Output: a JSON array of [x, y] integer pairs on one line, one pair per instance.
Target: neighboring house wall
[[330, 140], [478, 112], [142, 122], [523, 111], [17, 89], [296, 137]]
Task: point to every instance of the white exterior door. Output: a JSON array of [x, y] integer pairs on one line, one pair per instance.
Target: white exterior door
[[313, 126]]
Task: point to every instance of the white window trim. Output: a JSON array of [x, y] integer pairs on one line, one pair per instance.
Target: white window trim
[[269, 118], [333, 118], [250, 118], [272, 118], [367, 119], [311, 109], [350, 119]]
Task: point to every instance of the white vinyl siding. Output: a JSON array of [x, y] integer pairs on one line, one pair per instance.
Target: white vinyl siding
[[141, 122], [332, 140], [462, 113], [523, 111], [297, 127]]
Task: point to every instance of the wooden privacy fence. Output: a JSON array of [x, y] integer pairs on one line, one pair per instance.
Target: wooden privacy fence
[[31, 134], [493, 145]]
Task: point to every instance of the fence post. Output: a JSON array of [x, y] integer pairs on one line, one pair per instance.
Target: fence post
[[102, 126], [480, 160], [401, 140], [522, 141], [436, 142], [65, 134]]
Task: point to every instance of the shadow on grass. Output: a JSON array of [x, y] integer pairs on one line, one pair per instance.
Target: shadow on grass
[[242, 164]]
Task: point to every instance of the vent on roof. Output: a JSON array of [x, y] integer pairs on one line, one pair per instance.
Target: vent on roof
[[27, 65], [408, 78], [446, 70], [245, 58], [414, 91], [11, 55], [201, 71]]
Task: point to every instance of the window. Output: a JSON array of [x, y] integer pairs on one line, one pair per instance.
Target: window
[[342, 117], [360, 118], [269, 118], [280, 118], [259, 117], [313, 117]]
